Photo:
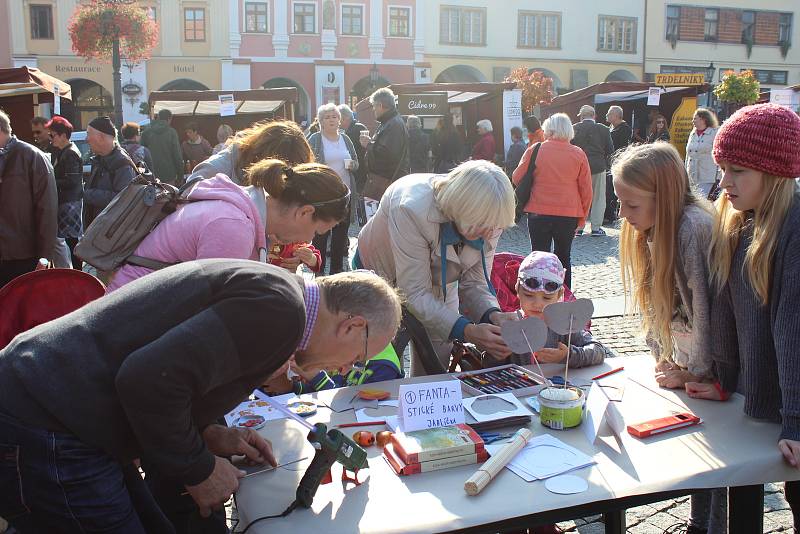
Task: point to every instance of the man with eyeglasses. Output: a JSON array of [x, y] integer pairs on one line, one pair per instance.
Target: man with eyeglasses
[[81, 398]]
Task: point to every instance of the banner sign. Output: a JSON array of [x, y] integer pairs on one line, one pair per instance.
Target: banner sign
[[423, 104], [697, 78]]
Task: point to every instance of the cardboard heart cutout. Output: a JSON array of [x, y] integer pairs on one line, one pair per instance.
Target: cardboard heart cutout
[[557, 316], [491, 404], [514, 333]]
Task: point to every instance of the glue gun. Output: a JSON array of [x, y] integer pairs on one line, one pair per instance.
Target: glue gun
[[331, 446]]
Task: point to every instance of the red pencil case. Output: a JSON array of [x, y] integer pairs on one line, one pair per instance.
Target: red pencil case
[[664, 424]]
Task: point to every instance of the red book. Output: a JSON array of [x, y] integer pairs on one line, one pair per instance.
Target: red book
[[403, 469], [436, 443]]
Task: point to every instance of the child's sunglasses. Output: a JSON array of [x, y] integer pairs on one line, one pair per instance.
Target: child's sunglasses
[[536, 284]]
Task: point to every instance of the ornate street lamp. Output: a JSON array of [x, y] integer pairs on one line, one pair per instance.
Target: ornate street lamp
[[111, 30], [711, 70]]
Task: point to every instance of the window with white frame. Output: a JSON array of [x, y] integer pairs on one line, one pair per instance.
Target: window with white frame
[[711, 29], [352, 19], [616, 34], [194, 24], [785, 28], [399, 22], [305, 17], [462, 25], [539, 30], [41, 21], [748, 26], [673, 21], [255, 17]]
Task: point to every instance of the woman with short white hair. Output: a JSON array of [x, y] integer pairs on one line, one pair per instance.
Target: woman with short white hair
[[335, 150], [434, 237], [485, 147], [562, 190]]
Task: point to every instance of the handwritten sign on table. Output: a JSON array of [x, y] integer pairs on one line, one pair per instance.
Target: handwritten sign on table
[[430, 405]]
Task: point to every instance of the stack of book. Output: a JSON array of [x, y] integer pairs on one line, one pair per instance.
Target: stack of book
[[435, 448]]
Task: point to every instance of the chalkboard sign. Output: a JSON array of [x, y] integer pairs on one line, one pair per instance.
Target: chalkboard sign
[[423, 104]]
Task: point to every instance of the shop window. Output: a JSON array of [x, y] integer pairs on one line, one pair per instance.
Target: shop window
[[616, 34], [462, 26], [539, 30], [711, 31], [673, 22], [194, 24], [352, 19], [399, 22], [771, 77], [305, 18], [41, 21], [255, 17]]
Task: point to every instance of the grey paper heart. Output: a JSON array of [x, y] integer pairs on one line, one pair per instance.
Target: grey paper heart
[[557, 316], [491, 404], [514, 333]]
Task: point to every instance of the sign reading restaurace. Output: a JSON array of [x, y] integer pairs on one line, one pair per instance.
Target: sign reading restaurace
[[423, 104], [685, 80], [431, 405]]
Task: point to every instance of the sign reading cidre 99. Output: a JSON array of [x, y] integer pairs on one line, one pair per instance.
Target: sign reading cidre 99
[[423, 104]]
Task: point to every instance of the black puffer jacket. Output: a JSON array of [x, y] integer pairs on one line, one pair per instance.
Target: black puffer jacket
[[68, 166], [110, 175], [387, 153]]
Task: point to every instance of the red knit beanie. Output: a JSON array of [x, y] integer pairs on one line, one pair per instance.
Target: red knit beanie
[[764, 137]]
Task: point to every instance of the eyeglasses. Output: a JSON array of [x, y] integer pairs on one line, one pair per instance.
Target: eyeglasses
[[366, 338], [533, 284]]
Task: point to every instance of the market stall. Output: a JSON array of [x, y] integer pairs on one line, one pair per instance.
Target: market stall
[[26, 92], [466, 102], [238, 109]]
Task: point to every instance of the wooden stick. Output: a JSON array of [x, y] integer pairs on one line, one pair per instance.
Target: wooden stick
[[485, 473]]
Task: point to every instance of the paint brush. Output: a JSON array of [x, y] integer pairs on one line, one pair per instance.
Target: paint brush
[[569, 350]]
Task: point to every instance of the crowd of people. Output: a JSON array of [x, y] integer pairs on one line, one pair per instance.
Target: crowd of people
[[137, 379]]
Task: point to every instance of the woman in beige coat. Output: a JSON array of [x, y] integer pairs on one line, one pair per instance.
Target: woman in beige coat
[[699, 162], [434, 237]]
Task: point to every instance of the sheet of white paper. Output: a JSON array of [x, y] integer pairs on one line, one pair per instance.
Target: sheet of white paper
[[566, 484], [390, 402], [506, 404], [253, 407], [430, 405], [363, 417], [227, 106], [545, 456], [654, 96], [596, 406]]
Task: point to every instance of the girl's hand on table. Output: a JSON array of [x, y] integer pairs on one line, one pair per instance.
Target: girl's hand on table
[[702, 390], [675, 379], [665, 365], [791, 451]]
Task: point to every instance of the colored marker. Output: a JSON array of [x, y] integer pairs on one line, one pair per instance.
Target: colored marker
[[608, 373]]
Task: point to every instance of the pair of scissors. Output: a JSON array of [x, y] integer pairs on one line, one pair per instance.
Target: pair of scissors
[[489, 437]]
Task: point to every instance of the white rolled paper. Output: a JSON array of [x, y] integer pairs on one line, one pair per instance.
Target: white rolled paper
[[486, 472]]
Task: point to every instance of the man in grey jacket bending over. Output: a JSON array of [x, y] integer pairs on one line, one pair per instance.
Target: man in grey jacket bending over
[[146, 371]]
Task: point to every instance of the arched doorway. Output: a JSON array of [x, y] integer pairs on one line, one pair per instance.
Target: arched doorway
[[557, 85], [89, 100], [460, 74], [363, 87], [302, 104], [183, 84], [622, 75]]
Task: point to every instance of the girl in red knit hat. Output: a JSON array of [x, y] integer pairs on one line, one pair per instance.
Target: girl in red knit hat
[[666, 233], [755, 274]]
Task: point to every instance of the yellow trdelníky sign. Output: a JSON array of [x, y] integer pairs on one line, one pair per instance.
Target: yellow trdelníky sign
[[681, 125], [680, 79]]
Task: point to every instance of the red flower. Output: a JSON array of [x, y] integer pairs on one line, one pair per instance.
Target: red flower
[[93, 27]]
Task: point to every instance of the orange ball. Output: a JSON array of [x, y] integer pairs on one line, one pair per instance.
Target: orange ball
[[364, 438], [383, 437]]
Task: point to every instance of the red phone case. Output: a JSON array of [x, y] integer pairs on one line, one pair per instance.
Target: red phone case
[[664, 424]]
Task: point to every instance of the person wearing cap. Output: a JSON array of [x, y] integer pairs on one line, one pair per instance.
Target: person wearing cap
[[112, 168], [540, 282], [595, 140], [755, 274]]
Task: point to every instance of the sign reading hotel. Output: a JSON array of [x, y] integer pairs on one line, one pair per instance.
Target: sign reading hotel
[[684, 80], [423, 104]]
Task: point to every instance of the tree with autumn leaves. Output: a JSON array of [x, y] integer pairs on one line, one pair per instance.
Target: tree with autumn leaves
[[103, 30], [536, 88]]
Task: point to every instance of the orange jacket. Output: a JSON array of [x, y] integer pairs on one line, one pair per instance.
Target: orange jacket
[[562, 182], [535, 137]]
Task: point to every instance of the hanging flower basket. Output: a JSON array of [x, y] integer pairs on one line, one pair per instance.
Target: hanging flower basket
[[94, 26]]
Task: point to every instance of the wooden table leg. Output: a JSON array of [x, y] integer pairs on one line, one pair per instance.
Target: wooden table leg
[[746, 509], [614, 522]]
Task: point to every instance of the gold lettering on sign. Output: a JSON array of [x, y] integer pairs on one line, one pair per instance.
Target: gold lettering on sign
[[183, 68], [680, 79]]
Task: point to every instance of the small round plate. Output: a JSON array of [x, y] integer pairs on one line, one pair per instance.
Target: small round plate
[[303, 408], [250, 421], [566, 484], [373, 394]]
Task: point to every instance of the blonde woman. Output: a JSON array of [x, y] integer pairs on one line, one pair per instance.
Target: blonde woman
[[755, 273], [434, 237], [699, 161], [666, 233], [224, 132]]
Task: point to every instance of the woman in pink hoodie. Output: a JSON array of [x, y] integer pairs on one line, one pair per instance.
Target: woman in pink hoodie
[[281, 204]]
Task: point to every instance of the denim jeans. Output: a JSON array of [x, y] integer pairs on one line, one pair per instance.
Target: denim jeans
[[54, 483]]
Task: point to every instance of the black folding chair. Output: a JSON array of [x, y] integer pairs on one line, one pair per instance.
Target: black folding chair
[[412, 330]]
